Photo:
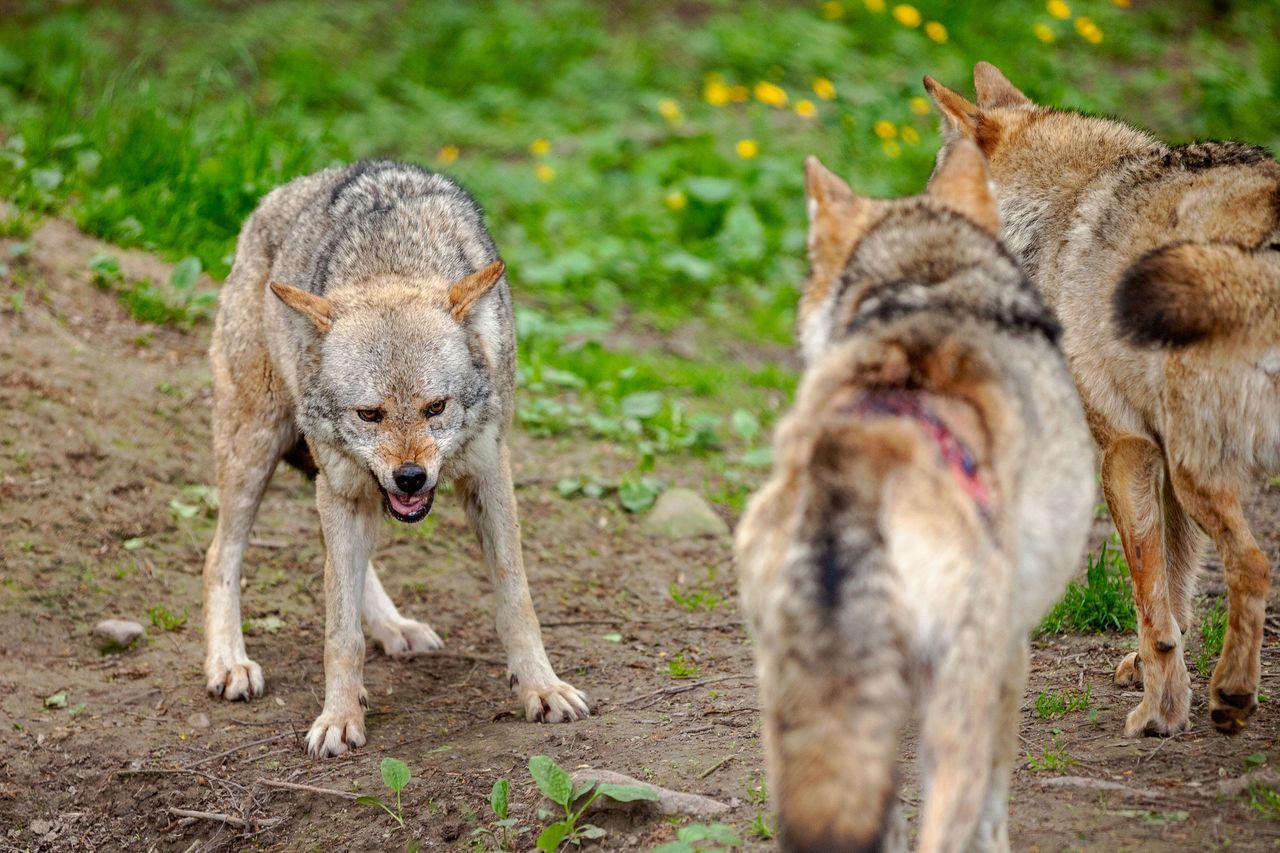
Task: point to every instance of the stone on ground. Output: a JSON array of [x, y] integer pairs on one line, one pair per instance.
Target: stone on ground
[[116, 634], [683, 514]]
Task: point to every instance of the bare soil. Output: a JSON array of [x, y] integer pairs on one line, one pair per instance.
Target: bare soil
[[104, 422]]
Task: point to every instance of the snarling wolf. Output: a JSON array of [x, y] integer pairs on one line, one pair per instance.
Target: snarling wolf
[[367, 326], [932, 492], [1163, 265]]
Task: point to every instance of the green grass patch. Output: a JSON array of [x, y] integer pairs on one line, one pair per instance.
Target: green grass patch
[[1060, 703], [1104, 602], [1213, 630]]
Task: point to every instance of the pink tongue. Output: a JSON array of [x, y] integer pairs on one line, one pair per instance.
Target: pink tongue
[[406, 506]]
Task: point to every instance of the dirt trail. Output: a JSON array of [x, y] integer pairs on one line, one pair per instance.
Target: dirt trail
[[104, 451]]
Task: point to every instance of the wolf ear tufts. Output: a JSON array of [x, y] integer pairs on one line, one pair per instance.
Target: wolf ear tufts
[[959, 115], [832, 208], [464, 293], [994, 89], [317, 309], [961, 183]]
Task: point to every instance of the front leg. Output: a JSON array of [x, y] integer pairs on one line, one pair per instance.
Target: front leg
[[348, 516], [490, 501]]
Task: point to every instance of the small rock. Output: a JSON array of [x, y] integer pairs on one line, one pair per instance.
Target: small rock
[[198, 720], [669, 802], [683, 514], [40, 827], [116, 634]]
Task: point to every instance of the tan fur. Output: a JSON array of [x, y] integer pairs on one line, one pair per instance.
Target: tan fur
[[464, 292], [874, 582], [1161, 264]]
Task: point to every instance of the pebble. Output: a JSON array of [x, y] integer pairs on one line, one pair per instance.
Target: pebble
[[684, 514], [116, 634]]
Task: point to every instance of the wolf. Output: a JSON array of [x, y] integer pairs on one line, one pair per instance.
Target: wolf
[[366, 330], [1163, 264], [931, 496]]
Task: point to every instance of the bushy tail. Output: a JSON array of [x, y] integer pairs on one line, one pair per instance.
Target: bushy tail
[[834, 657], [1191, 293]]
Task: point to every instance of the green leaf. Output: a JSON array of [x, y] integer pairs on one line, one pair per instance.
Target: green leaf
[[675, 847], [642, 405], [134, 544], [185, 274], [551, 779], [626, 793], [719, 833], [745, 425], [590, 830], [183, 510], [639, 495], [613, 637], [710, 190], [77, 709], [551, 838], [581, 790], [371, 801], [568, 487], [742, 238], [1254, 759], [57, 700], [395, 774], [761, 457], [498, 797], [46, 180]]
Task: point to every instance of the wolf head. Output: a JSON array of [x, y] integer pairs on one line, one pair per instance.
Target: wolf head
[[400, 382], [856, 242]]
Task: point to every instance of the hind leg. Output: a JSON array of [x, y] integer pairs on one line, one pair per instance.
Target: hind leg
[[1132, 468], [398, 637], [992, 834], [1233, 688]]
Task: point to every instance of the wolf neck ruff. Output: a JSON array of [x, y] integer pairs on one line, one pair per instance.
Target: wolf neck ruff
[[954, 452]]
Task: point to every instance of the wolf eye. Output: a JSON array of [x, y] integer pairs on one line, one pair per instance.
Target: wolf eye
[[435, 408], [372, 416]]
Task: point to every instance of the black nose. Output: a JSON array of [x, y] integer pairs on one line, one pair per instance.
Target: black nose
[[409, 478]]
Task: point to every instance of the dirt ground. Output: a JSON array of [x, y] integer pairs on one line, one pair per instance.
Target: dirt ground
[[104, 423]]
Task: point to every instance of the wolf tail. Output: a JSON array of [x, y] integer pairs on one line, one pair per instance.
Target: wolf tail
[[839, 690], [1190, 293]]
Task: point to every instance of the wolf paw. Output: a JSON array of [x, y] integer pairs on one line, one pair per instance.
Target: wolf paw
[[1129, 672], [556, 702], [234, 678], [1229, 711], [1163, 719], [405, 638], [334, 733]]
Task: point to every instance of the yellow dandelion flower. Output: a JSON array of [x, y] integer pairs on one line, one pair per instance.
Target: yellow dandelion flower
[[545, 173], [910, 135], [920, 106], [1088, 30], [1058, 9], [1123, 4], [936, 31], [447, 154], [768, 93], [1044, 33], [675, 200], [806, 109], [738, 93], [876, 6], [824, 88], [540, 147], [715, 92], [890, 148], [885, 129], [832, 11], [670, 110], [746, 148], [908, 16]]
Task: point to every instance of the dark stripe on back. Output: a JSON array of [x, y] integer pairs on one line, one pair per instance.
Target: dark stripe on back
[[1012, 318]]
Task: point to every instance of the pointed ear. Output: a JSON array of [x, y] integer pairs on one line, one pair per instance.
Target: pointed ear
[[831, 205], [959, 116], [464, 292], [961, 183], [317, 309], [994, 89]]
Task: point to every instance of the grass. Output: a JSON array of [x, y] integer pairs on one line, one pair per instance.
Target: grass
[[1213, 630], [640, 169], [1057, 704], [1053, 759], [1102, 603]]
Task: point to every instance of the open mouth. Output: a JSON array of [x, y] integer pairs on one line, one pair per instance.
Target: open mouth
[[409, 508]]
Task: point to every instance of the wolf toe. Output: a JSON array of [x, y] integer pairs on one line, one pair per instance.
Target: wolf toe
[[234, 678], [405, 638], [1229, 712], [555, 703], [335, 733], [1129, 672], [1160, 719]]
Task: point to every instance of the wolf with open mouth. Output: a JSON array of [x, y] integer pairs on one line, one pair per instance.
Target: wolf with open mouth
[[366, 332]]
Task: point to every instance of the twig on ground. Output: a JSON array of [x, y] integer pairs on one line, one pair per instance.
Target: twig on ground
[[714, 767], [227, 819], [682, 688], [296, 786], [236, 749]]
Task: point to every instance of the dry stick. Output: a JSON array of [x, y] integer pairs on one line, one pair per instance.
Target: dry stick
[[227, 819], [714, 767], [235, 749], [296, 786], [668, 691]]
